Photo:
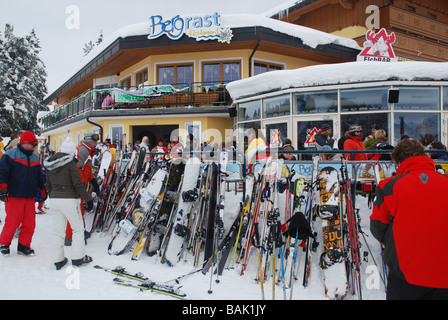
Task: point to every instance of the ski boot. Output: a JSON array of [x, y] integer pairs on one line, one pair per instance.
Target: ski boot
[[25, 251], [4, 250]]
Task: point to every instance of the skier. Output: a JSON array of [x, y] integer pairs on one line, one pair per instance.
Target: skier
[[20, 176], [354, 142], [412, 230], [84, 155], [64, 185]]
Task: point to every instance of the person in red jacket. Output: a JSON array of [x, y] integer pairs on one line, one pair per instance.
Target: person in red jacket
[[20, 177], [410, 217], [354, 142]]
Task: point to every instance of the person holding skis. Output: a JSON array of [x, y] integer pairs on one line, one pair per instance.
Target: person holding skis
[[413, 230], [65, 186], [20, 176]]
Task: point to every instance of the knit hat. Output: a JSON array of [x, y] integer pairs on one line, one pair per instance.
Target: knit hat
[[325, 127], [28, 137], [91, 136], [68, 147]]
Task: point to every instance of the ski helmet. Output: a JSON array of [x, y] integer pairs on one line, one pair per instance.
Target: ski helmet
[[353, 128]]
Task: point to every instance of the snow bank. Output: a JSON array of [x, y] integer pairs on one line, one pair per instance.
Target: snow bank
[[330, 74]]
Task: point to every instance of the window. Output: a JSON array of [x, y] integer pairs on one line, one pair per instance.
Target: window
[[316, 102], [243, 133], [249, 110], [276, 106], [125, 83], [175, 74], [364, 99], [366, 121], [445, 98], [416, 125], [141, 78], [217, 72], [418, 98], [261, 67], [276, 130]]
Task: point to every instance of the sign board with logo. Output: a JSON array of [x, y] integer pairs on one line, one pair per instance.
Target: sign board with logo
[[201, 28], [378, 47]]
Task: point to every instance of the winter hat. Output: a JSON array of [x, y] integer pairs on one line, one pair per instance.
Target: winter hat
[[91, 136], [325, 127], [68, 147], [28, 136]]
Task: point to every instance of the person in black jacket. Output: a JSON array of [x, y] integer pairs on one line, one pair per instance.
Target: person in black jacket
[[65, 186]]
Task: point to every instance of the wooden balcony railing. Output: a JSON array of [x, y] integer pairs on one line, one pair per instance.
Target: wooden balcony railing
[[396, 18]]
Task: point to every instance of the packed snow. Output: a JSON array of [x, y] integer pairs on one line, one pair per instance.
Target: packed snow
[[338, 73], [33, 278]]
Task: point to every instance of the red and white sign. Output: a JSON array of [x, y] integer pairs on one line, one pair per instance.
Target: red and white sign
[[310, 140], [378, 47]]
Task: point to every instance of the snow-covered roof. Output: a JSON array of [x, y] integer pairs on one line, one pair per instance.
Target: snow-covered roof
[[340, 73], [281, 9], [309, 37]]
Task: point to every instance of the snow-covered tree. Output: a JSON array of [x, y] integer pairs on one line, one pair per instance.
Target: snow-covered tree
[[22, 82], [89, 46]]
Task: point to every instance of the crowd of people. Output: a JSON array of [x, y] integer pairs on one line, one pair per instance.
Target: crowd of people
[[66, 177]]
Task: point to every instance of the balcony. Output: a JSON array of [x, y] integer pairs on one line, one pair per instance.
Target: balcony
[[197, 94]]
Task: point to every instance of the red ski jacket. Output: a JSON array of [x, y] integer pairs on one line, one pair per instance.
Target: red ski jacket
[[355, 143], [410, 217]]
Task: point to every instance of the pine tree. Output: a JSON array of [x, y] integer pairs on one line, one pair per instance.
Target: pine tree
[[22, 82], [89, 46]]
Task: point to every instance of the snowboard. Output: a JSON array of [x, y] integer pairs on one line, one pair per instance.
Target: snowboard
[[105, 164], [129, 226], [169, 199], [188, 197], [332, 257]]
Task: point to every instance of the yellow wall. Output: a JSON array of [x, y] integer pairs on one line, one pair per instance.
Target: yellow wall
[[211, 128], [199, 57], [220, 124]]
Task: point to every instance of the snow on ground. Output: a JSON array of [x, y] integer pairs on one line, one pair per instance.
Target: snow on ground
[[35, 278]]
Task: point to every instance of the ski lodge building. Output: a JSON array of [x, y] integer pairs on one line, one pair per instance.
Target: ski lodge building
[[211, 73], [167, 78]]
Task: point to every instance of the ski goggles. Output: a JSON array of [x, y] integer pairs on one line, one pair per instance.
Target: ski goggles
[[34, 143]]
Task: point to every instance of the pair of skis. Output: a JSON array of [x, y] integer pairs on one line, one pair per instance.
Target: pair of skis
[[141, 282]]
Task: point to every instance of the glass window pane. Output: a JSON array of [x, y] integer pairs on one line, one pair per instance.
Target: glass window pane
[[306, 130], [418, 98], [416, 125], [321, 102], [381, 120], [166, 75], [249, 110], [184, 74], [260, 68], [276, 106], [445, 98], [212, 72], [364, 99], [231, 72], [276, 131], [243, 130]]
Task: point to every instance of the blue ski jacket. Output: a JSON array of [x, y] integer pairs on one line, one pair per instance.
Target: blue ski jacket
[[20, 172]]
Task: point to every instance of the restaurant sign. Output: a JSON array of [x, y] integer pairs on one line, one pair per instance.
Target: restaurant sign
[[202, 27]]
